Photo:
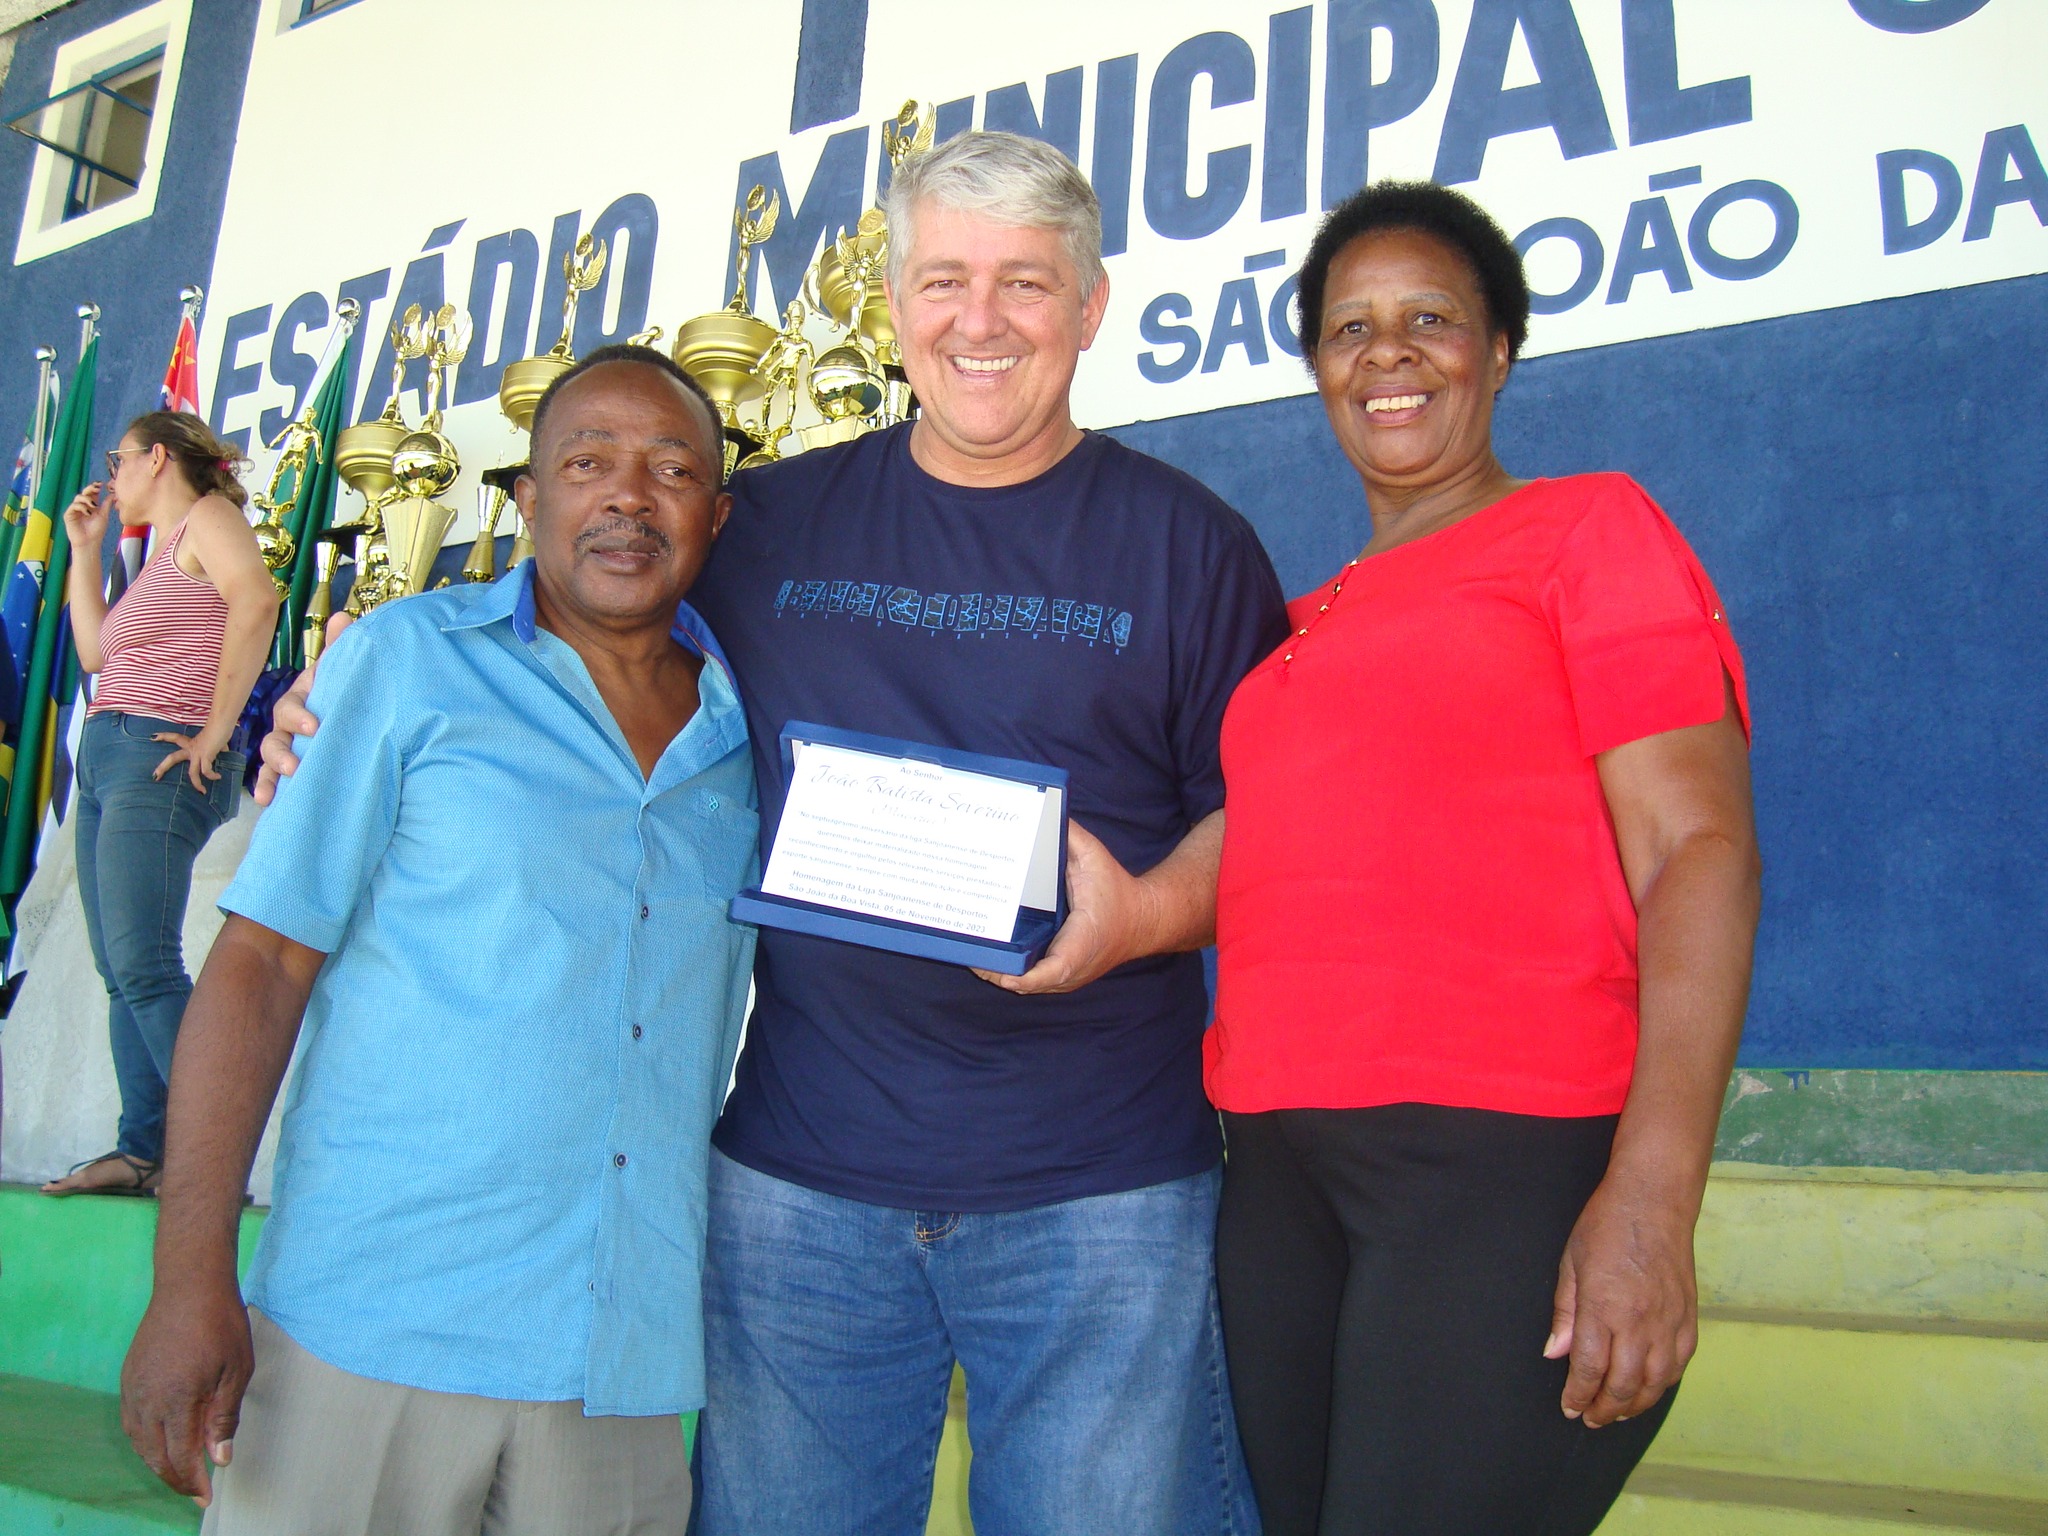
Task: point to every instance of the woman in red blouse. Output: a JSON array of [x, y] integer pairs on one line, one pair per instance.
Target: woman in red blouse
[[1487, 903]]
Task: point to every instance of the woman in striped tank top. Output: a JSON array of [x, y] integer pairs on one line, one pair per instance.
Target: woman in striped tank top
[[175, 658]]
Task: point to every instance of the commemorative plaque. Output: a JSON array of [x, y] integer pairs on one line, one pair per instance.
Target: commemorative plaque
[[948, 855]]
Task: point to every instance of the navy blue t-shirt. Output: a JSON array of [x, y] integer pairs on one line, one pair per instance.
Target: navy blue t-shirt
[[1095, 618]]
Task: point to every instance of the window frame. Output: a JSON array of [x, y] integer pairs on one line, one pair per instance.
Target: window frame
[[308, 15], [98, 85], [84, 65]]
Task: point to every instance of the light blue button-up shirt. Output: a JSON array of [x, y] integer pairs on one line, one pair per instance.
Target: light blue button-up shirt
[[491, 1178]]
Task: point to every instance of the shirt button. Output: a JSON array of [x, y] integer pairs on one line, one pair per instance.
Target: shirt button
[[711, 802], [619, 1161], [643, 914], [636, 1031]]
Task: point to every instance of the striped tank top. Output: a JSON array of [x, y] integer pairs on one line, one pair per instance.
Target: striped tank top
[[160, 645]]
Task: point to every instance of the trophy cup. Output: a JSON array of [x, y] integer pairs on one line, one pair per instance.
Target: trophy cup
[[852, 381], [493, 495], [424, 465], [519, 395], [363, 453], [320, 605], [525, 381], [723, 350]]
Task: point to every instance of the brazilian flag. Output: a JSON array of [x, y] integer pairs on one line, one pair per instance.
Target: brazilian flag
[[36, 584]]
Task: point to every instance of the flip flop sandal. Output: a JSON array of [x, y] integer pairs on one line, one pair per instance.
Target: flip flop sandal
[[143, 1177]]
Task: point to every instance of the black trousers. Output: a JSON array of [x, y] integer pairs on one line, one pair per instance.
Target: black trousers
[[1386, 1277]]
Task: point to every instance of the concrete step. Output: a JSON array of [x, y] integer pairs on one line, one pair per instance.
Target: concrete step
[[66, 1466], [1667, 1501], [1942, 1407], [1956, 1248]]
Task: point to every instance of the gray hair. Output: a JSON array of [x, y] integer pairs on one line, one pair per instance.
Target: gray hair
[[1007, 178]]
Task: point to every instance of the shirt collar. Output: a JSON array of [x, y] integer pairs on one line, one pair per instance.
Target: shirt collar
[[510, 598]]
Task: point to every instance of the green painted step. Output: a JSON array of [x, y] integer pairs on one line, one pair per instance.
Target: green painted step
[[74, 1279], [66, 1466], [1669, 1502]]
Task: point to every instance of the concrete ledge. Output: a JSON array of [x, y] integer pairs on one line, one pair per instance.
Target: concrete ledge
[[1669, 1501], [1949, 1412], [1958, 1248]]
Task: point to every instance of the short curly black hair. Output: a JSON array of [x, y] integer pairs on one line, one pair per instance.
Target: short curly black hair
[[1431, 209], [626, 352]]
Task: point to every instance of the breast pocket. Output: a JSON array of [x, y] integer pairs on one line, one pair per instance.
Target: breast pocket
[[728, 844]]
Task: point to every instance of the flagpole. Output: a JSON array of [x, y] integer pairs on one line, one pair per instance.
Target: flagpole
[[46, 364], [347, 316], [192, 298]]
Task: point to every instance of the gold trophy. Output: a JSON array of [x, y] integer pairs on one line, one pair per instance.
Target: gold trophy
[[363, 454], [785, 372], [522, 541], [301, 444], [519, 395], [526, 381], [425, 465], [723, 350], [320, 605], [848, 385], [493, 495]]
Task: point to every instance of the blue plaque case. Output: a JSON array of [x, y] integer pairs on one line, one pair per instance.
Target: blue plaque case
[[1011, 957]]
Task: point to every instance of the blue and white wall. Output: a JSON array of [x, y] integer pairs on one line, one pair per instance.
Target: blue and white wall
[[1793, 254]]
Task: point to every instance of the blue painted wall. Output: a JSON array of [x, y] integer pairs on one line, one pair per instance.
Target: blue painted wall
[[133, 273], [1869, 487]]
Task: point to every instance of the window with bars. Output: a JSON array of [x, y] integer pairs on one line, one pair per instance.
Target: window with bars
[[100, 126]]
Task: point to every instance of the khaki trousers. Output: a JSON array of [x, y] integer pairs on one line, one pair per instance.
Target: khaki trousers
[[321, 1452]]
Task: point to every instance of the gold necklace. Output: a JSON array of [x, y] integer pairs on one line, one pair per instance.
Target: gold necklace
[[1342, 577]]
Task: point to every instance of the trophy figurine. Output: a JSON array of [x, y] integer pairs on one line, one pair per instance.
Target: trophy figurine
[[301, 444], [910, 131], [785, 371]]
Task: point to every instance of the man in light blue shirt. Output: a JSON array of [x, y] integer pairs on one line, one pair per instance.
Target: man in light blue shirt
[[496, 892]]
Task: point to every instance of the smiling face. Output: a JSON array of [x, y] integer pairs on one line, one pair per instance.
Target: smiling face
[[992, 322], [622, 498], [1406, 361]]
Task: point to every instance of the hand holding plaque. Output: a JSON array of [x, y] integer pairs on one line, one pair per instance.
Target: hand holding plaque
[[946, 855]]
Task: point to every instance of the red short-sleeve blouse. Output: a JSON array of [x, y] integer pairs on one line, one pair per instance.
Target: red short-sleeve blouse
[[1421, 899]]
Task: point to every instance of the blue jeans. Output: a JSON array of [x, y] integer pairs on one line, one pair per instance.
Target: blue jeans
[[137, 840], [1096, 1394]]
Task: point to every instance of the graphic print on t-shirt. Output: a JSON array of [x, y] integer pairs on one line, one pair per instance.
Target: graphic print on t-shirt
[[962, 613]]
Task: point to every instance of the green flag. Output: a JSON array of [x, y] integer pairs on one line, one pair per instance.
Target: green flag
[[68, 469], [312, 511]]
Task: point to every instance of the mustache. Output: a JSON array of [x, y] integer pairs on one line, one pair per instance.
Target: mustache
[[625, 533]]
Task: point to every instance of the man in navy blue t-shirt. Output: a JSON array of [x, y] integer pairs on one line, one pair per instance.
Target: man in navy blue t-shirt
[[917, 1165]]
